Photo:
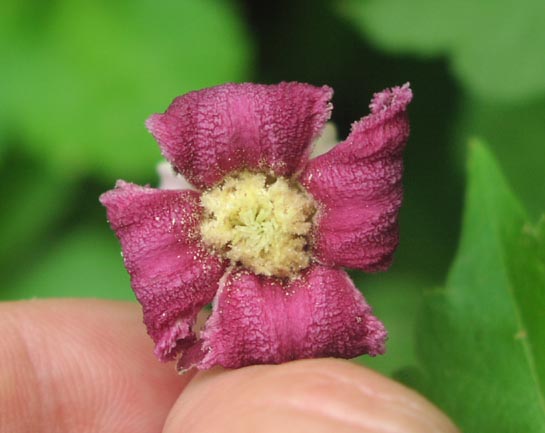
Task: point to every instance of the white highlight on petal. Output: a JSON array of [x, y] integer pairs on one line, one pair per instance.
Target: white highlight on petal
[[169, 179], [325, 142]]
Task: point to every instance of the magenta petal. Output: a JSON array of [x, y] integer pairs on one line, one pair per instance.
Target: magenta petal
[[260, 320], [358, 184], [209, 133], [172, 277]]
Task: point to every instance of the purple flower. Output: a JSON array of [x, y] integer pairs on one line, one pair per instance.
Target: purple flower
[[265, 232]]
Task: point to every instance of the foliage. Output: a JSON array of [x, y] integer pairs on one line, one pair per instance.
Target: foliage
[[517, 132], [86, 259], [480, 339], [494, 48], [80, 78]]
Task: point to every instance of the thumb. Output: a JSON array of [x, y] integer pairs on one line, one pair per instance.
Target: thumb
[[319, 396]]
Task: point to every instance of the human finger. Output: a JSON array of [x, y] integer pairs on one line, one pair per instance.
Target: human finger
[[319, 396], [81, 365]]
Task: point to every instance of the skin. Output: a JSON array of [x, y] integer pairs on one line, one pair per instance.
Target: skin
[[87, 366]]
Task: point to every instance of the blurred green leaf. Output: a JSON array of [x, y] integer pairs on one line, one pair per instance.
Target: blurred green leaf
[[80, 78], [496, 47], [395, 299], [480, 340], [518, 134], [32, 198], [85, 263]]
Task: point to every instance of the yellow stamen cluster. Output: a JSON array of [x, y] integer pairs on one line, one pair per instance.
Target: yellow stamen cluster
[[259, 222]]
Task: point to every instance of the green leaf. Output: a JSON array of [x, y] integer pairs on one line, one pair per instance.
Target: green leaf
[[80, 78], [481, 339], [395, 299], [518, 134], [85, 263], [32, 199], [495, 46]]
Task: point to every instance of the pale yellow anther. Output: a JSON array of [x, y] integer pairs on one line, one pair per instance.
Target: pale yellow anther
[[259, 222]]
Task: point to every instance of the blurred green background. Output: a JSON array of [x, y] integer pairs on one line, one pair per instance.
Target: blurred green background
[[78, 79]]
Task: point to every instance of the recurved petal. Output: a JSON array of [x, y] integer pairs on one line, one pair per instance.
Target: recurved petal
[[208, 133], [358, 184], [261, 320], [171, 275]]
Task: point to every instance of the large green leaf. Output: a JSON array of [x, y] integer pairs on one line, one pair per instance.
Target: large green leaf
[[481, 339], [80, 77], [496, 47]]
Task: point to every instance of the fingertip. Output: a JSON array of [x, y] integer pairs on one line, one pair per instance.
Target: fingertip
[[323, 395]]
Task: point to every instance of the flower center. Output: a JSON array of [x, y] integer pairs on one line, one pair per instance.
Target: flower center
[[260, 222]]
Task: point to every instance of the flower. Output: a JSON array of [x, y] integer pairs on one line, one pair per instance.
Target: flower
[[265, 232]]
